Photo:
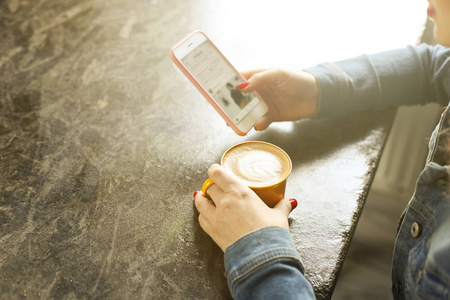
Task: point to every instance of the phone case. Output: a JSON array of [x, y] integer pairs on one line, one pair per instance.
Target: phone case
[[199, 86]]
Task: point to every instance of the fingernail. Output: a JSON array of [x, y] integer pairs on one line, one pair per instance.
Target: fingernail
[[242, 85], [195, 194], [293, 203]]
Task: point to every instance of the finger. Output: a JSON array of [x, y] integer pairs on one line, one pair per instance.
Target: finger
[[204, 223], [263, 123], [223, 178], [249, 73], [261, 80], [216, 193], [286, 206], [203, 205], [293, 203]]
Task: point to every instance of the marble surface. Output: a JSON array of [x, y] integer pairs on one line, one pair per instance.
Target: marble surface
[[103, 143]]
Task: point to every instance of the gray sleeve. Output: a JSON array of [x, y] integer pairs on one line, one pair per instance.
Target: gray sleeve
[[408, 76]]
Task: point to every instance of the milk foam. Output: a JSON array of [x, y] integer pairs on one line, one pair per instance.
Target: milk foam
[[257, 165]]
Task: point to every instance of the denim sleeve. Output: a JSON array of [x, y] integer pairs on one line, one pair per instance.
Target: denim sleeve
[[264, 264], [409, 76]]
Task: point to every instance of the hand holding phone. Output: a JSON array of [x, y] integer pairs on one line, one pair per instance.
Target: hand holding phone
[[217, 80], [290, 96]]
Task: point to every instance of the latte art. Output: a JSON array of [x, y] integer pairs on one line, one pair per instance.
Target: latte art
[[257, 164], [258, 167]]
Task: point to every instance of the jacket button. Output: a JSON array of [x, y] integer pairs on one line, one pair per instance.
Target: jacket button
[[416, 230]]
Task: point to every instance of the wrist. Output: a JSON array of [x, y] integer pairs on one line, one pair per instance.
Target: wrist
[[253, 250]]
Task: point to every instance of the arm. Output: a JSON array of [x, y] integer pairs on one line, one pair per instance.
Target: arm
[[266, 270], [260, 257], [413, 75], [409, 76]]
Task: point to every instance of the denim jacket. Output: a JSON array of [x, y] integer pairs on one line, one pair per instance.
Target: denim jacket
[[264, 264]]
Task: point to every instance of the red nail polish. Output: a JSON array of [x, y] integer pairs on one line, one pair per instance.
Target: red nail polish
[[242, 85], [195, 194], [293, 203]]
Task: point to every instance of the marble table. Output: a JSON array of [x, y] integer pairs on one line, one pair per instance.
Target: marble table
[[103, 143]]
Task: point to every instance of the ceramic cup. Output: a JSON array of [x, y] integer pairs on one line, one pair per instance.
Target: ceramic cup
[[264, 167]]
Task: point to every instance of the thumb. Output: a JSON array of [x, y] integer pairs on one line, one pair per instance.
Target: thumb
[[286, 205], [263, 123], [259, 80]]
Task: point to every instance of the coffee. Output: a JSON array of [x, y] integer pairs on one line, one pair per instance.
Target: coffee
[[262, 166], [257, 164]]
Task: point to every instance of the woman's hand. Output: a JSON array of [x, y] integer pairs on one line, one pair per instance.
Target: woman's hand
[[290, 96], [237, 210]]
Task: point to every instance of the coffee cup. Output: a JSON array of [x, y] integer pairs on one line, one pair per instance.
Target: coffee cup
[[263, 167]]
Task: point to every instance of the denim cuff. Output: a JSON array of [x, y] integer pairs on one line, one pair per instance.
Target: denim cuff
[[254, 250]]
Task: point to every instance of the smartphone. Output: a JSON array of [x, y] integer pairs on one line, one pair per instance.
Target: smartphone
[[216, 79]]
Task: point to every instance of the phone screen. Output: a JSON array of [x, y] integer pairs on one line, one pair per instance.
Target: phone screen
[[219, 79]]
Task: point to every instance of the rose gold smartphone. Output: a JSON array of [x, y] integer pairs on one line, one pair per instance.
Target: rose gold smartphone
[[216, 79]]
